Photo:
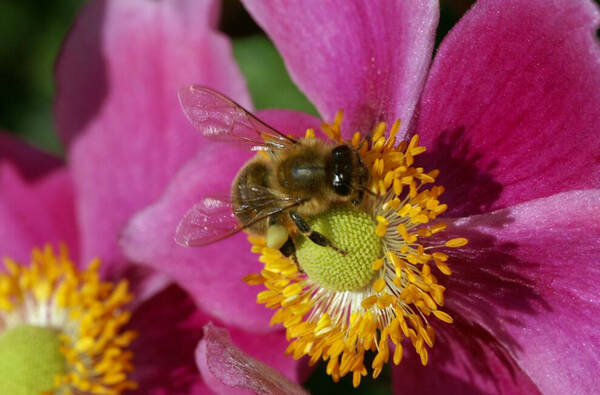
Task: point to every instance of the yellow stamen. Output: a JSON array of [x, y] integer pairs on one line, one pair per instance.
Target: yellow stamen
[[377, 264], [379, 285], [88, 315], [458, 242], [443, 316]]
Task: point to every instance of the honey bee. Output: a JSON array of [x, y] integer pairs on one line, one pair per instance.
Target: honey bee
[[286, 181]]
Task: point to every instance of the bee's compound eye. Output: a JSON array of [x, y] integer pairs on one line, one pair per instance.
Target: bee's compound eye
[[277, 235], [342, 170]]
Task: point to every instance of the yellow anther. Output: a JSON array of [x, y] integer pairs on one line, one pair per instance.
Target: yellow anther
[[398, 354], [414, 141], [437, 293], [264, 296], [424, 356], [356, 376], [339, 116], [440, 209], [443, 268], [369, 301], [378, 167], [403, 212], [443, 316], [323, 322], [379, 284], [377, 264], [396, 261], [253, 279], [420, 219], [439, 227], [426, 178], [381, 229], [356, 139], [382, 220], [425, 271], [458, 242], [429, 301], [417, 150], [378, 131], [385, 300], [394, 129], [403, 232], [397, 185]]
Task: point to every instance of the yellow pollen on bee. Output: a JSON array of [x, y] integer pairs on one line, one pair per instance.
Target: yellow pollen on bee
[[88, 314], [340, 326]]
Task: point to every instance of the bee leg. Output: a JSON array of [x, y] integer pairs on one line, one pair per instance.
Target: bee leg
[[288, 248], [359, 198], [313, 235]]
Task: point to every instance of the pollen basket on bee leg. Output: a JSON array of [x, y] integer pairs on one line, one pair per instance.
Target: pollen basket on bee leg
[[276, 237]]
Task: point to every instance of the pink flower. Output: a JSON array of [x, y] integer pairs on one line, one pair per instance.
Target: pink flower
[[508, 111], [117, 78], [37, 207]]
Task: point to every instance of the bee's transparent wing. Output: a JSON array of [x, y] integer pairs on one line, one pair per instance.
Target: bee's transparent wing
[[221, 119], [208, 221], [213, 219]]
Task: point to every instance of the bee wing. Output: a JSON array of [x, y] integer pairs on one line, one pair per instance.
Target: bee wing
[[208, 221], [213, 219], [222, 119]]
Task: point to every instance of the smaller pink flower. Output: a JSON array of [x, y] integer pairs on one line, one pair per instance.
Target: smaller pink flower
[[123, 133], [139, 342]]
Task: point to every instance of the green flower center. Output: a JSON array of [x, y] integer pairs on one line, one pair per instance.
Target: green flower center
[[350, 230], [30, 359]]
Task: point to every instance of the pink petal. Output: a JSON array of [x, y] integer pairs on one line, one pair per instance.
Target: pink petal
[[227, 369], [368, 58], [169, 327], [30, 161], [144, 283], [212, 274], [92, 59], [34, 213], [530, 277], [511, 106], [139, 53], [465, 360]]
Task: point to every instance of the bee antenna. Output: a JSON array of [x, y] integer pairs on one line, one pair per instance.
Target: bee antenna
[[367, 190], [362, 141]]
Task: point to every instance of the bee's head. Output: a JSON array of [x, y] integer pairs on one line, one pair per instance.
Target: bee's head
[[348, 174]]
